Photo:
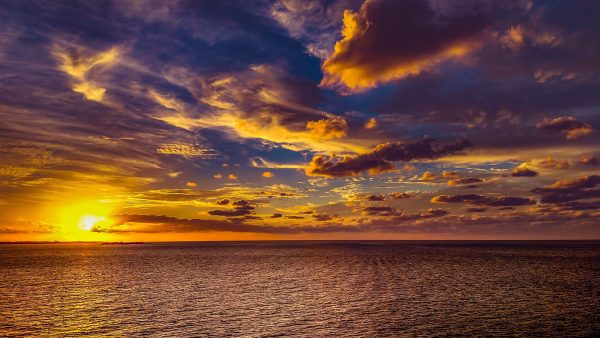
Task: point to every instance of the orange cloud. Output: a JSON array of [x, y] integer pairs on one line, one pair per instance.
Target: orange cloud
[[371, 123], [267, 174], [566, 125], [334, 127], [390, 40], [79, 66]]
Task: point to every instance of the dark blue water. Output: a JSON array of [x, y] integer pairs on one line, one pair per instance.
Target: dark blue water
[[307, 289]]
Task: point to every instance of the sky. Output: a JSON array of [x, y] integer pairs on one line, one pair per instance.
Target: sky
[[299, 119]]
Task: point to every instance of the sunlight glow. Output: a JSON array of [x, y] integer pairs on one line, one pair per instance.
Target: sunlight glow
[[87, 222]]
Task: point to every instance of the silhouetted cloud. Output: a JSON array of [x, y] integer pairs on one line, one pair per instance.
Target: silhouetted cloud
[[493, 201], [381, 157], [523, 172], [566, 125], [566, 190]]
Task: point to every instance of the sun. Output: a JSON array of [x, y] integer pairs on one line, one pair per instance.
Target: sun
[[87, 222]]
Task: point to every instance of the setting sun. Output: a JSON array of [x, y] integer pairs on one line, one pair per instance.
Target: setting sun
[[87, 222]]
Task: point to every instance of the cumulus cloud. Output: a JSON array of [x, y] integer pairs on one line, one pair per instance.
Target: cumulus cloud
[[522, 171], [381, 157], [334, 127], [388, 40], [570, 127], [567, 190]]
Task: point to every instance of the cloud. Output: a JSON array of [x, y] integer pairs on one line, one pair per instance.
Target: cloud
[[379, 210], [381, 157], [332, 166], [550, 163], [588, 160], [241, 208], [521, 171], [493, 201], [79, 66], [476, 209], [400, 195], [314, 22], [334, 127], [370, 124], [368, 197], [566, 125], [428, 176], [264, 102], [567, 190], [267, 174], [186, 150], [223, 202], [388, 40], [465, 180], [322, 217]]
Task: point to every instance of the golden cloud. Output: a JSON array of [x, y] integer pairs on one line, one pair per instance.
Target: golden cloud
[[390, 40], [80, 67], [334, 127]]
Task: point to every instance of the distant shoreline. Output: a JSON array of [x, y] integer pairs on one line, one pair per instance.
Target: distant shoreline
[[72, 242], [364, 242]]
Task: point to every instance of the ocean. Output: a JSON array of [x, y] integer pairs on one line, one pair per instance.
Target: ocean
[[302, 289]]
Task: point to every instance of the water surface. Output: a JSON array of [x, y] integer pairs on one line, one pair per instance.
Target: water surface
[[306, 289]]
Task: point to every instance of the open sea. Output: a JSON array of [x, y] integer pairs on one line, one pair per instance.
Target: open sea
[[305, 289]]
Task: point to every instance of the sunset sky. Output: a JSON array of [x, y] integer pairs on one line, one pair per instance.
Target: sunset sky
[[299, 119]]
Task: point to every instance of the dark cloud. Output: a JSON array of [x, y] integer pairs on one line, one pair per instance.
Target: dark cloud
[[476, 209], [388, 40], [229, 213], [277, 215], [465, 180], [322, 217], [492, 201], [426, 148], [379, 210], [400, 195], [369, 197], [381, 157], [550, 163], [566, 125], [567, 190], [223, 202], [588, 160], [523, 172], [242, 207]]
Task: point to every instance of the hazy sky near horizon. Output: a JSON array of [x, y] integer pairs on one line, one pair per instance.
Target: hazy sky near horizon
[[299, 119]]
